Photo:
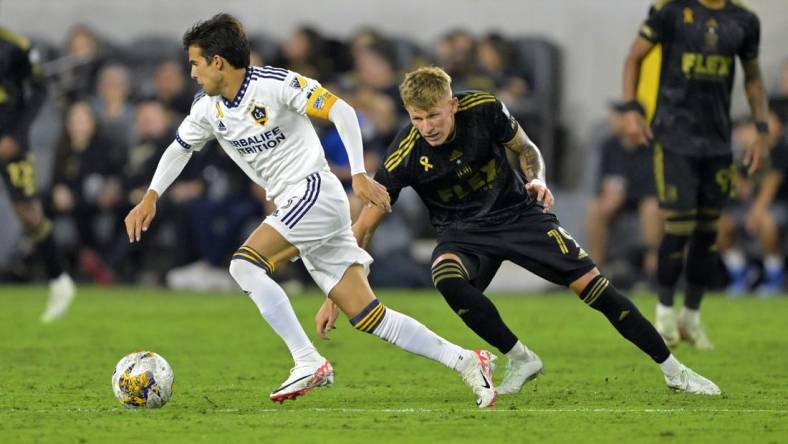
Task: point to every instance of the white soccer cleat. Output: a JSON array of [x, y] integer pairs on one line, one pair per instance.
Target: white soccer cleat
[[667, 326], [478, 375], [694, 333], [691, 382], [518, 372], [61, 292], [303, 378]]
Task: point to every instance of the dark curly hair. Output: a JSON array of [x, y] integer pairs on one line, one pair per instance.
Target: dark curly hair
[[221, 35]]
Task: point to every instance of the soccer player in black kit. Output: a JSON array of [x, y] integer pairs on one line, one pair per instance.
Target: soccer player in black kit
[[691, 137], [454, 155], [22, 92]]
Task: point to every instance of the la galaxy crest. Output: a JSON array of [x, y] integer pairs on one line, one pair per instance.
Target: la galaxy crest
[[259, 114]]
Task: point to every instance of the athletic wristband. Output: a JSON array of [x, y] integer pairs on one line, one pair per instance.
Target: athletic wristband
[[632, 105], [762, 127]]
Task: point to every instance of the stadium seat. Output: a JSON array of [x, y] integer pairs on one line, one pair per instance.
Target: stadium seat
[[539, 61]]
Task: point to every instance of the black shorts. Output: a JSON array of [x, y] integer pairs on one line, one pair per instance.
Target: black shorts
[[686, 183], [536, 242], [19, 174]]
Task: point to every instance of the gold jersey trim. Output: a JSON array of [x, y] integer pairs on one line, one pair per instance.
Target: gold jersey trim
[[405, 147]]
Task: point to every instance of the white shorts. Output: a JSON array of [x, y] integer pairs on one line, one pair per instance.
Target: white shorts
[[314, 216]]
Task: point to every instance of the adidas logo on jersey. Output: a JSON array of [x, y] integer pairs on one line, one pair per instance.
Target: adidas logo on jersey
[[220, 127]]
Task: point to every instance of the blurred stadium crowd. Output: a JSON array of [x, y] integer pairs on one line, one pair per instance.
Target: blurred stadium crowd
[[116, 108]]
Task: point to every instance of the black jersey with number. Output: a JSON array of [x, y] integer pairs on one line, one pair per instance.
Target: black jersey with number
[[466, 182], [699, 46], [20, 93]]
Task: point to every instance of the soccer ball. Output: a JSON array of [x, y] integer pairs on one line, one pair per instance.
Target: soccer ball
[[143, 380]]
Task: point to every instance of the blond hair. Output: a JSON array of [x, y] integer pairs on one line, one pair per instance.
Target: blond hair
[[425, 87]]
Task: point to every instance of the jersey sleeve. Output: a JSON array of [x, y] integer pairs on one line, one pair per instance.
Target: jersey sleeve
[[505, 126], [656, 27], [752, 39], [195, 131], [391, 181], [392, 174], [306, 96]]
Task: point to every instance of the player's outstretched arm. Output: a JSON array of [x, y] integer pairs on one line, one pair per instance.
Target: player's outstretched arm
[[326, 318], [172, 162], [533, 167], [371, 192], [140, 217], [368, 190], [755, 154], [366, 224], [636, 129]]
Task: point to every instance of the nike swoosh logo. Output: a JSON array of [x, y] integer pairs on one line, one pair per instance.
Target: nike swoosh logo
[[288, 385], [462, 311], [484, 378]]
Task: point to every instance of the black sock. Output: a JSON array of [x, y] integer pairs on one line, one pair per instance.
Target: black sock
[[602, 296], [693, 295], [478, 312], [669, 265], [47, 250], [665, 294]]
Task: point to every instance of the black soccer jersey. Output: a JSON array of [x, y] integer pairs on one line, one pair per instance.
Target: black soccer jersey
[[467, 182], [18, 105], [699, 46]]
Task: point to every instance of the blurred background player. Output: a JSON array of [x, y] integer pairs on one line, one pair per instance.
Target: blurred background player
[[699, 41], [759, 212], [22, 91], [625, 193]]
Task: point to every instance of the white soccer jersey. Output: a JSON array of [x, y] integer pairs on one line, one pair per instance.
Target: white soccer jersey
[[265, 129]]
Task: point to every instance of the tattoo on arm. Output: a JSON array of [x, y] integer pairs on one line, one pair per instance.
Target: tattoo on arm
[[756, 93], [528, 155]]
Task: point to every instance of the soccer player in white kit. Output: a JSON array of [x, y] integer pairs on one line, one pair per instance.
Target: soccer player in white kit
[[259, 116]]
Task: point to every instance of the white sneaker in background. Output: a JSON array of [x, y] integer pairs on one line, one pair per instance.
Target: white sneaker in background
[[667, 326], [692, 331], [61, 292], [200, 276]]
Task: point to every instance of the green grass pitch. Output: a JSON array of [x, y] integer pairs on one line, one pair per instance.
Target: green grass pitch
[[55, 379]]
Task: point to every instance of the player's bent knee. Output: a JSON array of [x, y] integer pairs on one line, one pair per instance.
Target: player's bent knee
[[369, 318], [247, 255], [581, 283], [446, 268], [445, 256], [593, 288]]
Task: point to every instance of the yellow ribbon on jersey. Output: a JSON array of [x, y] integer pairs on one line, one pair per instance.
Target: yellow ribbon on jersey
[[425, 162]]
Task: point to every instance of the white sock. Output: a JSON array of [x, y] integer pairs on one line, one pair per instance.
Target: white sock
[[411, 335], [689, 316], [734, 259], [773, 262], [664, 309], [519, 351], [671, 366], [275, 307]]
